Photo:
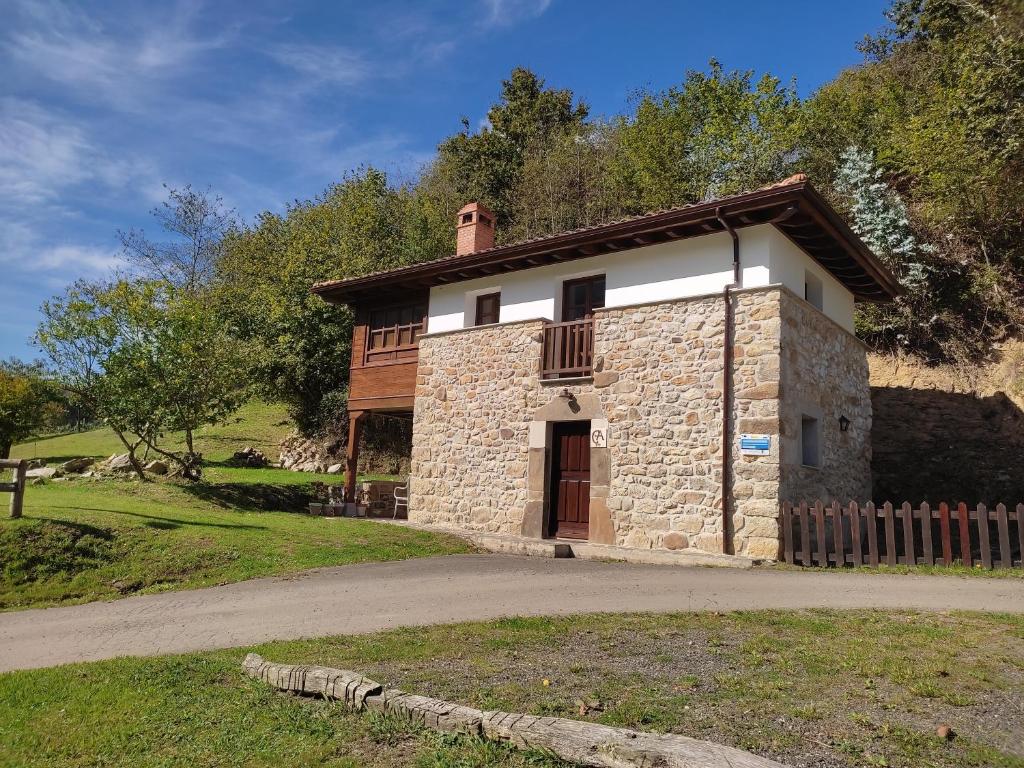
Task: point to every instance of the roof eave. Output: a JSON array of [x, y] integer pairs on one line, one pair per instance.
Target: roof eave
[[562, 246]]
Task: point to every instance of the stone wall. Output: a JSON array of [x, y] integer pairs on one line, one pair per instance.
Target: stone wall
[[475, 392], [946, 433], [825, 374], [657, 382]]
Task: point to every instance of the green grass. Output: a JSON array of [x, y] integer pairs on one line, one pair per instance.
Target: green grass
[[260, 425], [807, 688], [89, 539]]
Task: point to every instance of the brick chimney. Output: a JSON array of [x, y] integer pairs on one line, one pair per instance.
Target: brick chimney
[[475, 229]]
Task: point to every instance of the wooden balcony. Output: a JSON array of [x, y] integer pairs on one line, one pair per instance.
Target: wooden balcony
[[568, 349], [385, 350]]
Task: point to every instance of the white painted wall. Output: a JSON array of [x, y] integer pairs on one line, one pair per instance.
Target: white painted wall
[[667, 271], [789, 264]]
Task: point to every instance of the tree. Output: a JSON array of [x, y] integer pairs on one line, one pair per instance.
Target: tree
[[148, 358], [486, 165], [197, 223], [300, 344], [715, 134], [23, 397], [940, 106]]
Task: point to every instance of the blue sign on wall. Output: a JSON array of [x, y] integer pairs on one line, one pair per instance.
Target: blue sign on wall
[[755, 445]]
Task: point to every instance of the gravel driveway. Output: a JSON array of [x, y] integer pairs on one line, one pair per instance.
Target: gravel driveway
[[369, 597]]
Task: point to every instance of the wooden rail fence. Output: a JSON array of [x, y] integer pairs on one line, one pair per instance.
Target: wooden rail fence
[[17, 487], [837, 535]]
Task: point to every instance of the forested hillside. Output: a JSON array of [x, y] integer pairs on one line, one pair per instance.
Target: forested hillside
[[921, 146]]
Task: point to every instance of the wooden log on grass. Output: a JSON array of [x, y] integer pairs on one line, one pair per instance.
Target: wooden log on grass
[[581, 742], [340, 684]]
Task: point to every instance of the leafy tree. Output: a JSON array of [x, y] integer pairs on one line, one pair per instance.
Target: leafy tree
[[717, 133], [197, 222], [148, 358], [77, 334], [23, 397], [939, 104], [302, 344], [486, 165]]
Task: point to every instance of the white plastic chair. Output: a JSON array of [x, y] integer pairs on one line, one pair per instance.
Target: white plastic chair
[[401, 499]]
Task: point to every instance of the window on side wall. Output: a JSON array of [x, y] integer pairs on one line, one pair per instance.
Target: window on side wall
[[810, 441], [488, 308], [812, 290]]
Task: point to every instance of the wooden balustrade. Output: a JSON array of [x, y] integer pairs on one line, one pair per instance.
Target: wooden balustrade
[[568, 349]]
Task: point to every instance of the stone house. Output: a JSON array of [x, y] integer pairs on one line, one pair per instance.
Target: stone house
[[662, 381]]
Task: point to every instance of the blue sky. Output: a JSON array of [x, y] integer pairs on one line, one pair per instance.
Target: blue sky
[[103, 102]]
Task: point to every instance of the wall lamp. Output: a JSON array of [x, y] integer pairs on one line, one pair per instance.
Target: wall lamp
[[844, 424]]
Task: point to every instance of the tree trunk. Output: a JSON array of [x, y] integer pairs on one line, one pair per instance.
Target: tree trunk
[[5, 450], [132, 458]]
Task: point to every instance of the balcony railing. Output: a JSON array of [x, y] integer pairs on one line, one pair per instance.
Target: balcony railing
[[568, 349]]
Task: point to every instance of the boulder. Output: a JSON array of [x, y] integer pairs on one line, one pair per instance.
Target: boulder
[[156, 467], [34, 464], [119, 462], [78, 465], [335, 469], [249, 457], [46, 473]]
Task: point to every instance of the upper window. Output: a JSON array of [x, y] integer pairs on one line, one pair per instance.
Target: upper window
[[393, 332], [582, 297], [812, 290], [488, 308]]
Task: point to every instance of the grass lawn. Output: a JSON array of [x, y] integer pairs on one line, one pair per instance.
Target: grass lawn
[[807, 688], [89, 539]]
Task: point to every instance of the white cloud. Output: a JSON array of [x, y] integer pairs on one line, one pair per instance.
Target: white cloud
[[123, 66], [505, 13], [75, 260], [43, 153], [323, 63]]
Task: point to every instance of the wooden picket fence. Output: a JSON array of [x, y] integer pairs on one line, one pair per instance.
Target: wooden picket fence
[[837, 535]]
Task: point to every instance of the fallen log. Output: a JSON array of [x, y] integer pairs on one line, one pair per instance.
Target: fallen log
[[585, 743], [340, 684]]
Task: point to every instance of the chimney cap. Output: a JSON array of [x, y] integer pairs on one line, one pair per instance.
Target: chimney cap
[[474, 206], [475, 229]]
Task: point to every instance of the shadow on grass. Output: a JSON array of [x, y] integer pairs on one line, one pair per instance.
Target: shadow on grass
[[253, 497], [81, 529], [167, 523]]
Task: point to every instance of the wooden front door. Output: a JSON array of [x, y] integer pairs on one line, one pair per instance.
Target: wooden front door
[[570, 480]]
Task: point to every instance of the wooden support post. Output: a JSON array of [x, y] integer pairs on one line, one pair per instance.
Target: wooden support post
[[355, 430], [17, 487]]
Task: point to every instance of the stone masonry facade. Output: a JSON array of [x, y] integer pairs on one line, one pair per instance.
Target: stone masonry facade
[[824, 374], [482, 421]]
